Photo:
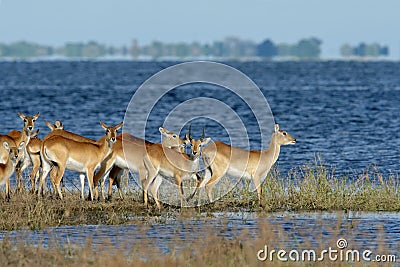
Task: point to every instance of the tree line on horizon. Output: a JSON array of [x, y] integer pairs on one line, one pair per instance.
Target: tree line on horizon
[[229, 48]]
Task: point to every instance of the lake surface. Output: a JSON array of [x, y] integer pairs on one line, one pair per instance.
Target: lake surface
[[346, 112]]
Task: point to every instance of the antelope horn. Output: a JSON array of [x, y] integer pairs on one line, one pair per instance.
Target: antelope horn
[[190, 131], [204, 133]]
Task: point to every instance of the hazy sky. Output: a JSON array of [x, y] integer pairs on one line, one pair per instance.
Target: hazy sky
[[117, 22]]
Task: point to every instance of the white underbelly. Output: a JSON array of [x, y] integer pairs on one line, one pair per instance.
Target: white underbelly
[[121, 162], [236, 173], [75, 166], [166, 172]]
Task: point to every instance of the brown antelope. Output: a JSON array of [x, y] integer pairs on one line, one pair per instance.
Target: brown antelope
[[58, 129], [7, 169], [222, 159], [171, 163], [33, 149], [115, 162], [82, 157], [18, 137], [131, 157]]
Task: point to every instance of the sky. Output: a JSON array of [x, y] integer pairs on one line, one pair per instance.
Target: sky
[[335, 22]]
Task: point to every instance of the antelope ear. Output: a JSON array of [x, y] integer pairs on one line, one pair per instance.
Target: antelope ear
[[58, 124], [186, 140], [205, 141], [103, 125], [21, 145], [36, 116], [163, 131], [22, 116], [276, 128], [119, 126], [50, 125], [5, 144]]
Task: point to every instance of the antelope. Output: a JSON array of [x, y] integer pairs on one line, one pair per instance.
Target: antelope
[[58, 129], [18, 137], [82, 157], [171, 163], [131, 157], [115, 162], [7, 169], [33, 149], [222, 159]]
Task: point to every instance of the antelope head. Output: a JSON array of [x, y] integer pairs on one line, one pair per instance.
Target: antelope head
[[172, 140], [196, 145], [111, 132], [29, 121], [56, 126], [283, 137], [14, 153]]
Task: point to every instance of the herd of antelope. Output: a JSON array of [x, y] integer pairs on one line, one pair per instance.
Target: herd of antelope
[[62, 150]]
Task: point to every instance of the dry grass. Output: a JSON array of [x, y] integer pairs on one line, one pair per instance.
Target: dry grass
[[318, 188], [308, 188], [209, 250]]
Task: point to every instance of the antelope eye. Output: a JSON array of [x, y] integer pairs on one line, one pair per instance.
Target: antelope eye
[[25, 120], [284, 133], [174, 136]]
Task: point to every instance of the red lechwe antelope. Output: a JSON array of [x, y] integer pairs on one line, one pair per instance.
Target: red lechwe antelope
[[82, 157], [7, 169], [171, 163], [222, 159], [18, 137], [131, 157], [33, 149], [58, 129]]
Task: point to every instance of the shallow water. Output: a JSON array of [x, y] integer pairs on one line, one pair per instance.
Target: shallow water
[[361, 230]]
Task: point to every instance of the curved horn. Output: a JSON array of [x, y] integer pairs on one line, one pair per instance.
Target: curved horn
[[204, 133]]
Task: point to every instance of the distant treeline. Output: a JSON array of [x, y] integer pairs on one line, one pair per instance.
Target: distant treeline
[[229, 48], [364, 50]]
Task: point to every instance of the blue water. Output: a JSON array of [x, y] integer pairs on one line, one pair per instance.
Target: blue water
[[346, 112]]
